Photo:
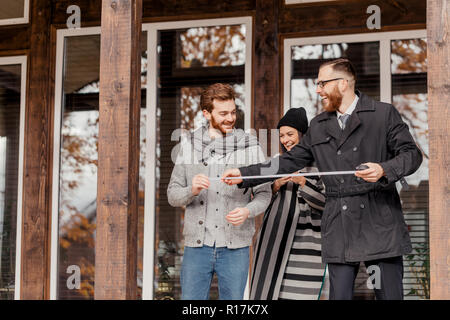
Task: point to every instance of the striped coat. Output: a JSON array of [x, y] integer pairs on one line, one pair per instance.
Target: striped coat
[[287, 258]]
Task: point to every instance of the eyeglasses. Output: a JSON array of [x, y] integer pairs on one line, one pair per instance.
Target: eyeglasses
[[322, 83]]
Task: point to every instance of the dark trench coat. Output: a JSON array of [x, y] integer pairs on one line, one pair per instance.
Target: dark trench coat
[[362, 221]]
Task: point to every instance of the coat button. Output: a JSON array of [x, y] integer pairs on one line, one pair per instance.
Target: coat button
[[328, 138], [344, 207], [342, 180], [201, 202], [198, 241], [339, 152], [200, 222], [205, 163], [212, 152], [361, 205], [355, 148]]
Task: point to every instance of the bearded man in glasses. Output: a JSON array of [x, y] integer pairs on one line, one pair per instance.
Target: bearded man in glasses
[[363, 219]]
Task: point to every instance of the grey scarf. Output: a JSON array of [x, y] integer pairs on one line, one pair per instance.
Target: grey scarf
[[205, 147]]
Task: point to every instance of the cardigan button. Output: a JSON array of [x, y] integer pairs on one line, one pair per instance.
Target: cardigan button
[[344, 207], [339, 152], [355, 149], [205, 163], [200, 222], [362, 206], [201, 202], [198, 241]]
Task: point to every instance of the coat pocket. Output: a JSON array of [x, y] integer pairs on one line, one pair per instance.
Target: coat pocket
[[320, 140]]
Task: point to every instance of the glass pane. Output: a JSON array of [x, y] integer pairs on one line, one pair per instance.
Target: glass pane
[[10, 80], [211, 46], [221, 58], [409, 96], [11, 9], [78, 166], [305, 67]]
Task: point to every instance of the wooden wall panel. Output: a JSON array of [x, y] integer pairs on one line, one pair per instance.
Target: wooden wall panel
[[14, 38], [438, 34], [350, 16], [118, 150]]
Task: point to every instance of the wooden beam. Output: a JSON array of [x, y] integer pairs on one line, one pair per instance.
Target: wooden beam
[[266, 108], [16, 37], [349, 16], [37, 155], [438, 33], [118, 150]]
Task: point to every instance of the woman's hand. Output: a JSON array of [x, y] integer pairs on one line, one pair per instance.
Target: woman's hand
[[277, 184], [299, 180]]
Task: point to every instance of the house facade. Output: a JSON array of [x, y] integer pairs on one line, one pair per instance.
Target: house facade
[[55, 142]]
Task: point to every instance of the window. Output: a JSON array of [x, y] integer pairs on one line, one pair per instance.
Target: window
[[189, 56], [409, 96], [391, 67], [12, 108], [185, 57], [75, 163], [14, 12]]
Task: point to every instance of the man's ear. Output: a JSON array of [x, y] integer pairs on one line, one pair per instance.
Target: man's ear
[[344, 86], [206, 114]]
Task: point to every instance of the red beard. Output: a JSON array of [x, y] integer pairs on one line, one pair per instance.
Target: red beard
[[218, 126], [334, 100]]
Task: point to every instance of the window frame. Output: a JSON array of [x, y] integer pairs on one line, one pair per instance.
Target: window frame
[[151, 92], [21, 20], [384, 38], [150, 186], [22, 61]]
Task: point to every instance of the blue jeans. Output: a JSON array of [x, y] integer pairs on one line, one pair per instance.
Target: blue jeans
[[199, 265]]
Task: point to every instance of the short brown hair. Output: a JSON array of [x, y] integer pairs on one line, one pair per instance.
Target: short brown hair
[[218, 91], [341, 65]]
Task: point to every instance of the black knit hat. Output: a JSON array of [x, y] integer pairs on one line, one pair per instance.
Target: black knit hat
[[295, 118]]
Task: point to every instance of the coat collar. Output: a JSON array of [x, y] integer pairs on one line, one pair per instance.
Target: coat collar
[[365, 103]]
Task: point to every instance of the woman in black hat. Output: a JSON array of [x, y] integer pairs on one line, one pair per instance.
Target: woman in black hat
[[287, 260]]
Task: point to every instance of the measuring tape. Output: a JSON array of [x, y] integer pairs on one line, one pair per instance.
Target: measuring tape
[[302, 174]]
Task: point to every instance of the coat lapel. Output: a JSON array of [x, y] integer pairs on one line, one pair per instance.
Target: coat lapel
[[332, 127], [353, 123]]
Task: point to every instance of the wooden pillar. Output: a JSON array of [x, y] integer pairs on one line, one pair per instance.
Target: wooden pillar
[[266, 66], [266, 70], [118, 150], [36, 182], [438, 34]]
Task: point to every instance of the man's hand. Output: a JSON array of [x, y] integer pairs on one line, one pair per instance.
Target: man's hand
[[237, 216], [199, 182], [231, 173], [373, 174]]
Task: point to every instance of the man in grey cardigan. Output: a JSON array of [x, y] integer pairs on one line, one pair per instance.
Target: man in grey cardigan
[[219, 219]]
